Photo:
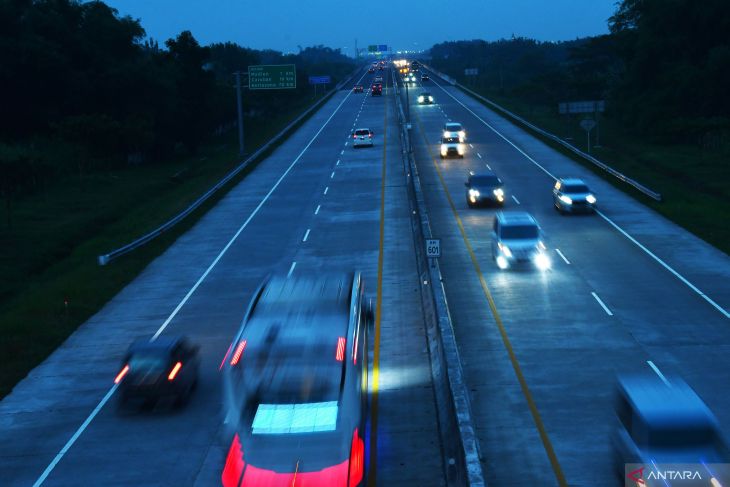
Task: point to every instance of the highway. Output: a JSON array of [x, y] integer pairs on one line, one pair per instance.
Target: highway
[[628, 291], [541, 350], [315, 204]]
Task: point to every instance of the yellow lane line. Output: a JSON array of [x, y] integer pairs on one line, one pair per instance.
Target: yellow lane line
[[557, 469], [378, 314]]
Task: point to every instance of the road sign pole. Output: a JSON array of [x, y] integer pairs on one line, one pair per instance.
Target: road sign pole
[[240, 112]]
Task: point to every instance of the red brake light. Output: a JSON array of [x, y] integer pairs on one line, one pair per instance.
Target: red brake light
[[340, 355], [239, 351], [121, 374], [234, 464], [357, 459], [174, 371]]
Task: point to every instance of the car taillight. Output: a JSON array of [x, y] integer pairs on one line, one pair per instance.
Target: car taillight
[[357, 459], [233, 470], [121, 374], [174, 371], [340, 354], [239, 351]]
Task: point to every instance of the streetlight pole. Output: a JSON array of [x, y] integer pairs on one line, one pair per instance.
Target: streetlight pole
[[240, 112]]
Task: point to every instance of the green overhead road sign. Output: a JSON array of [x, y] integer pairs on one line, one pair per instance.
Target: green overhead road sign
[[272, 77], [373, 48]]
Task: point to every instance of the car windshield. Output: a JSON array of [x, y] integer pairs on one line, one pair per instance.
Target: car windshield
[[519, 232], [485, 181], [453, 128], [576, 188], [425, 95]]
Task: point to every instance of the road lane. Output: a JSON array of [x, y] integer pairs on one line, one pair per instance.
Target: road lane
[[183, 447], [568, 346]]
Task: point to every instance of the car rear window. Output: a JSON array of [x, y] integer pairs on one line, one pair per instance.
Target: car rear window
[[362, 132], [147, 361], [519, 231]]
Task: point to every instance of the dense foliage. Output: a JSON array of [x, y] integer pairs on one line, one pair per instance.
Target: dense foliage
[[664, 69], [83, 90]]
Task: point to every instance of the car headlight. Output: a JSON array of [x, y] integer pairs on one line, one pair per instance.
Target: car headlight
[[460, 149], [446, 133], [473, 192], [505, 250], [443, 150], [462, 134], [566, 199], [502, 262], [591, 199], [499, 193], [542, 261], [430, 98], [420, 98], [541, 246]]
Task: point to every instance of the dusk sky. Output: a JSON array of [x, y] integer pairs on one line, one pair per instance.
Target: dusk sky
[[285, 24]]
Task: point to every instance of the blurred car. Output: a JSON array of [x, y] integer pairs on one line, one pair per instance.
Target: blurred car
[[484, 187], [362, 138], [376, 90], [450, 146], [424, 77], [517, 240], [662, 422], [425, 98], [358, 89], [454, 129], [378, 79], [295, 385], [155, 370], [371, 70], [571, 195]]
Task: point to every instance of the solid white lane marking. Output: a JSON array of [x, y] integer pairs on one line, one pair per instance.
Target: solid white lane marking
[[185, 299], [291, 269], [332, 175], [479, 155], [306, 236], [562, 256], [516, 200], [317, 210], [611, 222], [326, 189], [605, 308], [658, 372], [75, 437]]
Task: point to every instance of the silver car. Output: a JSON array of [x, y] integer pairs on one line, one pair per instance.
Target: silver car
[[571, 195], [362, 138], [518, 240]]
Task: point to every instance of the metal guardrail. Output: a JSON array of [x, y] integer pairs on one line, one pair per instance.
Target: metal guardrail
[[640, 187], [106, 258], [457, 431]]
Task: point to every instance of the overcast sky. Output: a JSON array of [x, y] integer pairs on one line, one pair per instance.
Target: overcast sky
[[285, 24]]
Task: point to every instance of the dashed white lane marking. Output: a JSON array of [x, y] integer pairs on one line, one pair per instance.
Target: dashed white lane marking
[[658, 372], [291, 269], [338, 162], [342, 152], [347, 143], [611, 222], [317, 210], [306, 236], [562, 256], [479, 155], [326, 189], [516, 200], [488, 166], [471, 146], [332, 175], [605, 308]]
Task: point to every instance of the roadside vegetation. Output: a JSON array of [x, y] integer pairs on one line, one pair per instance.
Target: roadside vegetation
[[663, 71], [104, 135]]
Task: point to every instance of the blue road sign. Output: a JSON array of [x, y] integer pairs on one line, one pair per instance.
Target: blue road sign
[[320, 80], [382, 47]]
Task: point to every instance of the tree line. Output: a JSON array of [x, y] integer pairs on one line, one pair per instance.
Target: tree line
[[83, 89], [664, 69]]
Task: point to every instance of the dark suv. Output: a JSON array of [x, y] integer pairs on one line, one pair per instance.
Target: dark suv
[[484, 187], [376, 90]]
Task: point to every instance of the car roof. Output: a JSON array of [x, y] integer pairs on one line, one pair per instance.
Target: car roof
[[161, 344], [659, 404], [482, 174], [570, 181], [516, 218]]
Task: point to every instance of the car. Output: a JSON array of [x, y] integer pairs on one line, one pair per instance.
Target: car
[[517, 240], [455, 129], [358, 89], [378, 79], [450, 146], [362, 138], [411, 78], [376, 90], [425, 98], [371, 70], [572, 195], [661, 420], [295, 384], [424, 77], [484, 187], [166, 368]]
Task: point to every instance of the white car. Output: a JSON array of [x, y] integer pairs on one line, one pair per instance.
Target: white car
[[454, 129], [362, 138], [450, 146]]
